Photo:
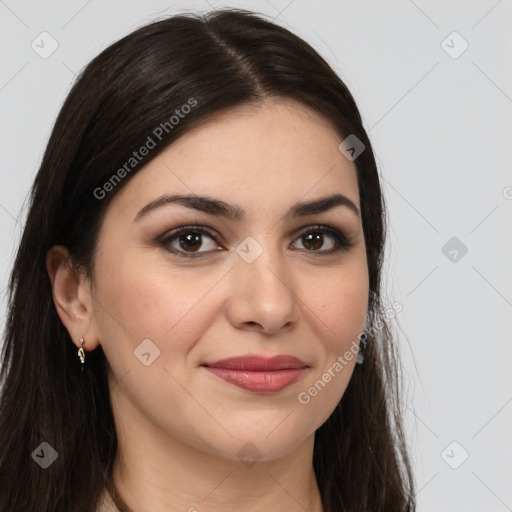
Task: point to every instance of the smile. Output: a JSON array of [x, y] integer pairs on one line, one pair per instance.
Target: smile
[[259, 374]]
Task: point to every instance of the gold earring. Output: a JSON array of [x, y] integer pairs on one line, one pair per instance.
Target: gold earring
[[81, 354]]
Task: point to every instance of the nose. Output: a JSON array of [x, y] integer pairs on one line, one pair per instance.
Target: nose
[[262, 295]]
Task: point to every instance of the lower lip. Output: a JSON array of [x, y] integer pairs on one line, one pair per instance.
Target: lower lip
[[259, 382]]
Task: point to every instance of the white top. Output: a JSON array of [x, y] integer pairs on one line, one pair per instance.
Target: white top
[[106, 503]]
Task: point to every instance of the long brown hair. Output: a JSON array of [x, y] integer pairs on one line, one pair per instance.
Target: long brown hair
[[221, 59]]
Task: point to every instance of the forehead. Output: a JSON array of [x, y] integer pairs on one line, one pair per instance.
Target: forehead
[[263, 156]]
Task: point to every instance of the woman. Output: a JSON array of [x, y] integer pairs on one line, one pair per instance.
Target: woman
[[195, 319]]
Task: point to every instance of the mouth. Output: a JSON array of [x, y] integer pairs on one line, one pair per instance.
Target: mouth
[[259, 374]]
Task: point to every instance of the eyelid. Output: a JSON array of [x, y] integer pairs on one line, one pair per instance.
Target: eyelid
[[169, 236], [322, 228], [343, 241]]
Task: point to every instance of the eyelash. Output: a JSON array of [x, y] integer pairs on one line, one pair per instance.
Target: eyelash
[[342, 241]]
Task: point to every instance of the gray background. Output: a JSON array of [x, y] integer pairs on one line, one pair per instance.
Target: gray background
[[440, 122]]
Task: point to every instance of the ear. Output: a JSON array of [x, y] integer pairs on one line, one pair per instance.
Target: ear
[[71, 292]]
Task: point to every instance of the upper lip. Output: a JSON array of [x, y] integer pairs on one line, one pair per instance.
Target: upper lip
[[259, 363]]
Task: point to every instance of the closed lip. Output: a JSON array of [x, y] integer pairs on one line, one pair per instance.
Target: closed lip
[[256, 363]]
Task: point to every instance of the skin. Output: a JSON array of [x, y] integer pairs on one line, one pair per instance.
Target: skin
[[179, 426]]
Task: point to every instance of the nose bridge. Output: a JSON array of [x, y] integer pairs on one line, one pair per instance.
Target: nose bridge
[[262, 286], [270, 269], [264, 259]]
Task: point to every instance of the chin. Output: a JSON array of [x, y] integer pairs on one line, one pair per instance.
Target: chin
[[254, 445]]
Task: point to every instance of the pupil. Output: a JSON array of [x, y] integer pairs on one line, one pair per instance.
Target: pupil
[[193, 241], [315, 240]]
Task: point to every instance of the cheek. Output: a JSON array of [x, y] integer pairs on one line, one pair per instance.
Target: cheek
[[338, 307], [174, 307], [341, 309], [142, 301], [349, 312]]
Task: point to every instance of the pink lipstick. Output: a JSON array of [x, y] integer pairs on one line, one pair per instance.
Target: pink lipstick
[[259, 374]]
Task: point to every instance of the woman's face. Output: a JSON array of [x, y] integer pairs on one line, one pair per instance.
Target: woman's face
[[265, 282]]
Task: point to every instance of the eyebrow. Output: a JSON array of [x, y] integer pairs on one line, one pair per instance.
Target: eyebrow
[[220, 208]]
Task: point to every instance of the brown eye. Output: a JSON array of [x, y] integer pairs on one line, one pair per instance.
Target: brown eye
[[314, 240], [186, 241], [190, 242]]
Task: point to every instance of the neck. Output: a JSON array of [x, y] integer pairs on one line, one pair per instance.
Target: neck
[[154, 472]]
